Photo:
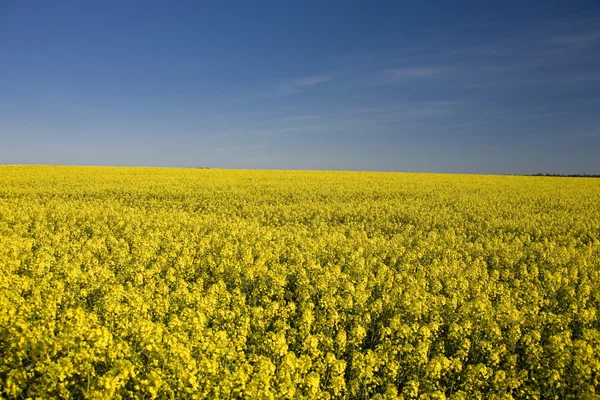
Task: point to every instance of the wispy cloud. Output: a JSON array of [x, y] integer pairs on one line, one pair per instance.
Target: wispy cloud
[[309, 81], [404, 111], [302, 118], [297, 85], [415, 72], [547, 56], [581, 40], [559, 50], [406, 75], [583, 136], [403, 75], [584, 77]]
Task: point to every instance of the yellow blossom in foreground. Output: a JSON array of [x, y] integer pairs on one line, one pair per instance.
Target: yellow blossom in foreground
[[188, 283]]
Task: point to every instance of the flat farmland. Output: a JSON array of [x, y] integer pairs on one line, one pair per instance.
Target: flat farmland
[[123, 282]]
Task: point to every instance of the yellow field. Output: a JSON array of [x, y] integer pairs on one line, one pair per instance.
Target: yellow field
[[182, 283]]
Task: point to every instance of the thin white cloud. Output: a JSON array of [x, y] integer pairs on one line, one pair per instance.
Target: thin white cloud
[[302, 118], [577, 41], [309, 81], [402, 75], [545, 47], [404, 112], [584, 77], [582, 136], [297, 85], [414, 72]]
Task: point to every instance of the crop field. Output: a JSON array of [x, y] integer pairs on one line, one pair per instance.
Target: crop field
[[201, 283]]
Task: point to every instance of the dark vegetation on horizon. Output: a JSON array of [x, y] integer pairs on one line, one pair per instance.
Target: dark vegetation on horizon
[[567, 176]]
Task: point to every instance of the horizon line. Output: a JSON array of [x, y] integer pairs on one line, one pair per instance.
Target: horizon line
[[538, 174]]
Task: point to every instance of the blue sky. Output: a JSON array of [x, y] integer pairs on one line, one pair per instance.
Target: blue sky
[[474, 87]]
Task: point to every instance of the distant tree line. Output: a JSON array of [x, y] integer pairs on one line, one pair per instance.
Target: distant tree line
[[568, 176]]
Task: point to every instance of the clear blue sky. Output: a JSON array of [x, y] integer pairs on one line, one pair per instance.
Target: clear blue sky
[[476, 87]]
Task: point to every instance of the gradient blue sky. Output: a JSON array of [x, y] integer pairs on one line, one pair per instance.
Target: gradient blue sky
[[476, 87]]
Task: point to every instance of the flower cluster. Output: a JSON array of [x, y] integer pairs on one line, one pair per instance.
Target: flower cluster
[[188, 283]]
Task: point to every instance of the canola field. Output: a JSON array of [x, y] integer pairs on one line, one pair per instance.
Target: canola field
[[200, 283]]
